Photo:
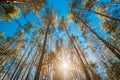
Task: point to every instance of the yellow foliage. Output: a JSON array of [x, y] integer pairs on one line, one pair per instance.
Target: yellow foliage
[[99, 10], [14, 14], [71, 17]]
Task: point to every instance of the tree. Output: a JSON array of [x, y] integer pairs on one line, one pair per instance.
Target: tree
[[9, 12], [63, 24], [49, 21]]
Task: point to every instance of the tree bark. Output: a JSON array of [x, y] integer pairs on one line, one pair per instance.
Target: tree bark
[[101, 14], [108, 45], [31, 62], [38, 70], [21, 2], [82, 63], [23, 64], [20, 61], [88, 65]]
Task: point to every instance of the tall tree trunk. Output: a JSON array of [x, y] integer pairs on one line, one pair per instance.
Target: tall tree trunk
[[101, 14], [12, 64], [38, 70], [20, 60], [105, 15], [31, 66], [108, 45], [21, 2], [4, 75], [31, 62], [105, 66], [23, 64], [88, 65], [82, 63], [7, 46]]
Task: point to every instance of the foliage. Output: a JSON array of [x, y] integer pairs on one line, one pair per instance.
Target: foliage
[[109, 26], [1, 35], [10, 12]]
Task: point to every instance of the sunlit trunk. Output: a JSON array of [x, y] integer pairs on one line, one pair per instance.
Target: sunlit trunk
[[94, 76], [23, 64], [82, 63], [4, 75], [22, 57], [31, 66], [38, 70]]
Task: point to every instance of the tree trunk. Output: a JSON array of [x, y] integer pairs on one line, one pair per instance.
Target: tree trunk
[[101, 14], [31, 66], [31, 62], [38, 70], [22, 65], [108, 45], [82, 63], [4, 75], [21, 2], [20, 61], [88, 65]]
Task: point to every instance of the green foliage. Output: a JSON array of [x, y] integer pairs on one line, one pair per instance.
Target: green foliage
[[50, 18], [100, 10], [109, 26], [88, 4], [63, 23], [9, 12], [2, 35], [30, 25]]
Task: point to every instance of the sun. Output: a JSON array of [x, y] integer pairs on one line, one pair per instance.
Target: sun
[[65, 65]]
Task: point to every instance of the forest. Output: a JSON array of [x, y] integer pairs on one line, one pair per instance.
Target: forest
[[59, 39]]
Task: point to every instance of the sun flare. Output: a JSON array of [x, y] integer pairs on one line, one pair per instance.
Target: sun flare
[[65, 65]]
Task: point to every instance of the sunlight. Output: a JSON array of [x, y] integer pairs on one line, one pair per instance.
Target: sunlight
[[65, 65]]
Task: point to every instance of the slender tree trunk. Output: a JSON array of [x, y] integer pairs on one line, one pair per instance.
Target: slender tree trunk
[[82, 63], [4, 75], [89, 67], [31, 66], [101, 14], [20, 61], [108, 45], [31, 62], [38, 70], [21, 2], [7, 46], [22, 65], [12, 64], [105, 66]]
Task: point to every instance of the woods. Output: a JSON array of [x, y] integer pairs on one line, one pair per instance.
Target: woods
[[60, 40]]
